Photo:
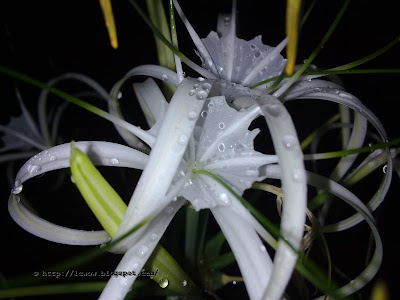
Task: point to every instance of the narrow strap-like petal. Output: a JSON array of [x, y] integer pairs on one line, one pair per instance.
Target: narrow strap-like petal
[[135, 258], [288, 149]]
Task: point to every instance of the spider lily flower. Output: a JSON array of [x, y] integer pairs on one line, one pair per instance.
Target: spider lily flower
[[200, 130], [218, 141]]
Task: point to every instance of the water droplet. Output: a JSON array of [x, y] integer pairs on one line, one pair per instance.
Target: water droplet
[[344, 95], [257, 54], [119, 96], [224, 198], [262, 248], [46, 152], [17, 189], [336, 92], [252, 46], [221, 125], [201, 95], [184, 283], [210, 105], [289, 142], [227, 20], [204, 114], [251, 172], [183, 139], [273, 109], [175, 198], [192, 115], [384, 169], [52, 158], [298, 175], [221, 147], [72, 179], [163, 283], [34, 169], [142, 250], [164, 77], [192, 92], [200, 79], [206, 86], [114, 161], [318, 89], [154, 236], [169, 210], [135, 266], [195, 86], [234, 282]]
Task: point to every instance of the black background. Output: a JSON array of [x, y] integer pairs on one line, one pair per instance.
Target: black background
[[47, 38]]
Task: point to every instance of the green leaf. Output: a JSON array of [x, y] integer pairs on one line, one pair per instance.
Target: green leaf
[[102, 199]]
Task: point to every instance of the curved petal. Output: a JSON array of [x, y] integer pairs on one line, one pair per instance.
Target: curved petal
[[101, 153], [288, 149], [274, 171], [146, 70], [253, 260], [52, 232], [135, 258], [42, 115], [58, 157], [196, 39], [167, 153], [151, 100]]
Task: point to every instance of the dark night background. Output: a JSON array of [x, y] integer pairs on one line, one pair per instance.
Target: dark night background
[[47, 38]]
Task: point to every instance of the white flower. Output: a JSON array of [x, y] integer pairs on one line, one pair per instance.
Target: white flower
[[199, 130]]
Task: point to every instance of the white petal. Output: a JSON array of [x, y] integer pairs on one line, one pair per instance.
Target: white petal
[[101, 153], [151, 100], [167, 153], [254, 263], [134, 259], [287, 148], [52, 232], [274, 171]]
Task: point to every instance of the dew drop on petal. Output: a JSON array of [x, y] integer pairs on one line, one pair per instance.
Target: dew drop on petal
[[33, 169], [52, 158], [262, 248], [298, 175], [273, 109], [169, 210], [201, 95], [289, 142], [221, 125], [192, 115], [257, 54], [210, 105], [119, 96], [200, 79], [221, 147], [183, 139], [192, 92], [164, 77], [206, 86], [17, 189], [154, 236], [224, 198], [252, 46], [72, 179], [195, 86], [234, 282], [227, 20], [163, 283], [251, 172], [384, 169], [184, 283], [142, 250], [204, 114], [114, 161]]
